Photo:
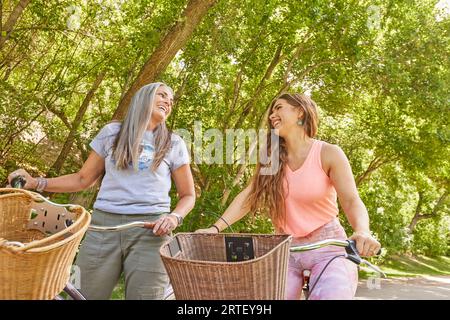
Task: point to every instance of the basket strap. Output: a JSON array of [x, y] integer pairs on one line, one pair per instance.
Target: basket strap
[[35, 196], [10, 245]]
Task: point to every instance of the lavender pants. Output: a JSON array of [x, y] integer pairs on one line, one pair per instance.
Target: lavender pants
[[340, 279]]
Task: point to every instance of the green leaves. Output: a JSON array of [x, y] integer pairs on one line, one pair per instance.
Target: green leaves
[[378, 71]]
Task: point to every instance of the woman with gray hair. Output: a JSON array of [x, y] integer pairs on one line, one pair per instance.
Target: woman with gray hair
[[138, 157]]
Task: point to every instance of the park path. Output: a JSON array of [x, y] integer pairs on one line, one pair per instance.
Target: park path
[[417, 288]]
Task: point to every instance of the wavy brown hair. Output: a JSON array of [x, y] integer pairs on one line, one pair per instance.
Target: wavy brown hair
[[267, 192]]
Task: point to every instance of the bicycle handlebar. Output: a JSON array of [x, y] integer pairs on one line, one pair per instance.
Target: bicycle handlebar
[[141, 224], [320, 244], [326, 243], [350, 248]]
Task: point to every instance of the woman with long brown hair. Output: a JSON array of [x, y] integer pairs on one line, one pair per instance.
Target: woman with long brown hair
[[138, 157], [301, 199]]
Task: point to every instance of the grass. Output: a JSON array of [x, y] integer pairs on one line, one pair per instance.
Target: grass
[[119, 291], [413, 266]]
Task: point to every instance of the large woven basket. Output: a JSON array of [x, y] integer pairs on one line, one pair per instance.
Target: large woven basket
[[199, 267], [35, 261]]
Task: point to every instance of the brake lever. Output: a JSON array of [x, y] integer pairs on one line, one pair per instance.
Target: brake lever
[[374, 268], [353, 255]]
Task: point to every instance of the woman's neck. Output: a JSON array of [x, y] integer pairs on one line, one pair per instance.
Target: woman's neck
[[152, 125], [297, 141]]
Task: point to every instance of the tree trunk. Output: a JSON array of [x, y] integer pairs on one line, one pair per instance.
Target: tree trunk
[[421, 216], [416, 218], [172, 42], [57, 165], [237, 178], [374, 165], [12, 20]]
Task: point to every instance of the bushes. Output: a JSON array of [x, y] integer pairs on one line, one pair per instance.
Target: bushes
[[432, 237]]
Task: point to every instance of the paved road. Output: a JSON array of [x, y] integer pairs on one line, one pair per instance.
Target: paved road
[[419, 288]]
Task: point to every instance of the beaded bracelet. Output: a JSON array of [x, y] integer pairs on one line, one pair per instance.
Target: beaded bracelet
[[41, 184]]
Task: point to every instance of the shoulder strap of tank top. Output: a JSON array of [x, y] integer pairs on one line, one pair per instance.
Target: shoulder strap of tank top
[[317, 148]]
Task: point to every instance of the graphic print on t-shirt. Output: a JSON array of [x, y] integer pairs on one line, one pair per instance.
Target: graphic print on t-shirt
[[146, 156]]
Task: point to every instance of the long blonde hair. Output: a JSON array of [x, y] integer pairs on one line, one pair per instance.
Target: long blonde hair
[[267, 194], [127, 143]]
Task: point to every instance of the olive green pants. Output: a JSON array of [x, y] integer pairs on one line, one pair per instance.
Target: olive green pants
[[104, 256]]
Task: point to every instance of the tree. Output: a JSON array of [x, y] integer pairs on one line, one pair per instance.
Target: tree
[[172, 42]]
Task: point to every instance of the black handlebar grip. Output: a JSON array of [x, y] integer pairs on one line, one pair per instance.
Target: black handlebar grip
[[351, 248], [352, 252], [18, 182]]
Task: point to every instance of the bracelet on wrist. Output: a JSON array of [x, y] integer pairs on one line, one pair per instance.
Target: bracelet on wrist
[[217, 228], [179, 218], [41, 184], [226, 222]]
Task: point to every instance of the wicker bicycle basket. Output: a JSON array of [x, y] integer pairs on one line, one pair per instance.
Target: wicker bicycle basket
[[204, 267], [38, 243]]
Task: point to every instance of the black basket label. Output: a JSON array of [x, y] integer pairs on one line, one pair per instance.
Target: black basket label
[[239, 248]]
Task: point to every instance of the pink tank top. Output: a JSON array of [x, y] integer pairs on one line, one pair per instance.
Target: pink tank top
[[311, 199]]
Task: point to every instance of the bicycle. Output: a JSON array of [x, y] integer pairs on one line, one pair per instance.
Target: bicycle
[[70, 289], [349, 245], [240, 266], [47, 217], [351, 254]]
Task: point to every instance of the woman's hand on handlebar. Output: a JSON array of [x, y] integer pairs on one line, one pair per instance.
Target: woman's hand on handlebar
[[31, 182], [165, 225], [366, 244]]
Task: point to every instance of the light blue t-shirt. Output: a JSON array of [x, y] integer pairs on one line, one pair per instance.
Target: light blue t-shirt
[[136, 192]]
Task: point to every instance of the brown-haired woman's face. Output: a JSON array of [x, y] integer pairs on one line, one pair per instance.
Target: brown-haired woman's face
[[283, 117], [162, 104]]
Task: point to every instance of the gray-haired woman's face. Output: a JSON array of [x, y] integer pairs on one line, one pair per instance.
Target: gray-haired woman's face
[[162, 104]]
